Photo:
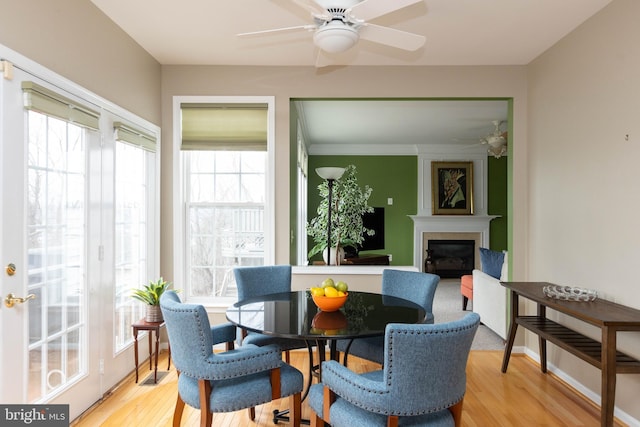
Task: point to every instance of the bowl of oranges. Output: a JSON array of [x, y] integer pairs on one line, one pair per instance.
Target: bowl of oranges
[[330, 296]]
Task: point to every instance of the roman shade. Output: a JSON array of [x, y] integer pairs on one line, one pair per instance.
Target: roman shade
[[46, 101], [232, 127], [134, 136]]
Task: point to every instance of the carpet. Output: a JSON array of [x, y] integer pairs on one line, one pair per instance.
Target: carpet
[[447, 306]]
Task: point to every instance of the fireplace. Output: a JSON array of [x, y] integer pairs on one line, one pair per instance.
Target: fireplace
[[451, 258], [449, 227]]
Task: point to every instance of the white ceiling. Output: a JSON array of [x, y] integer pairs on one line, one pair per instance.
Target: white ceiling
[[458, 32], [396, 126]]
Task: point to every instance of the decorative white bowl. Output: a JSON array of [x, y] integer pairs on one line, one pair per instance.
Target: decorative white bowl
[[569, 293]]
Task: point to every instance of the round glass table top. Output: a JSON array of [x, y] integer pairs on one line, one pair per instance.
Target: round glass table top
[[295, 315]]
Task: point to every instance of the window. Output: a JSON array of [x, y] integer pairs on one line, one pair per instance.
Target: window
[[131, 234], [225, 212], [226, 194]]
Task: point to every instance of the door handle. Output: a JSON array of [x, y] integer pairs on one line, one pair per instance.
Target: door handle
[[11, 299]]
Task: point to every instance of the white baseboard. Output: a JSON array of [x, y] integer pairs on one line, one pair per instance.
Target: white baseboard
[[580, 388]]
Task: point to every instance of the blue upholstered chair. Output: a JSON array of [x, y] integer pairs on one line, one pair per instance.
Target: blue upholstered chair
[[422, 383], [264, 280], [228, 381], [225, 333], [419, 288]]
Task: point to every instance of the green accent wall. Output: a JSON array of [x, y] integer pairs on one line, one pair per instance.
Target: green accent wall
[[393, 177], [497, 202]]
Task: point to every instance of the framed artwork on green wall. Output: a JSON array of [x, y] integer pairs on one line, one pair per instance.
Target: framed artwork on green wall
[[452, 188]]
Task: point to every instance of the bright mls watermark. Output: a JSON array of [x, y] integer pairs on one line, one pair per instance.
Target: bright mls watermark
[[34, 415]]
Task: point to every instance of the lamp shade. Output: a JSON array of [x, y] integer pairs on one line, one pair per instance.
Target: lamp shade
[[335, 37], [330, 172]]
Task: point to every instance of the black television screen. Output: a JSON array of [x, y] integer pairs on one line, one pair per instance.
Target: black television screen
[[374, 221]]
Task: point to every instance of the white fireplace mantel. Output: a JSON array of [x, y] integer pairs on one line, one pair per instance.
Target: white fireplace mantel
[[447, 224]]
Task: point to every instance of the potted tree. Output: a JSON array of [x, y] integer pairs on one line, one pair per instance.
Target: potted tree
[[349, 203], [150, 295]]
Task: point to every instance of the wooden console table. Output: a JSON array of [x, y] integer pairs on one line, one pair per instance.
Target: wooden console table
[[608, 316]]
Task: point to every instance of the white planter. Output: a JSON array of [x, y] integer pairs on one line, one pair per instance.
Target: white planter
[[332, 260]]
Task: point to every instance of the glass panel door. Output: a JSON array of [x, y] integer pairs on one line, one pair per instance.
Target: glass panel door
[[56, 227], [47, 353]]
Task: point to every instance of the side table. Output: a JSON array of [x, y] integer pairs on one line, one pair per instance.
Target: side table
[[143, 325]]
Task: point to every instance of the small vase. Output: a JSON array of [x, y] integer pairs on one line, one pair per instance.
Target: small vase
[[332, 258], [153, 314]]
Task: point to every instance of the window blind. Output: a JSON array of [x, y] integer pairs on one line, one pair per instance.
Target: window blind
[[132, 135], [231, 127], [47, 101]]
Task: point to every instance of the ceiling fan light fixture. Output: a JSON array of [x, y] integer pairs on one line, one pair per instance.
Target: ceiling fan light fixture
[[498, 152], [496, 141], [335, 37]]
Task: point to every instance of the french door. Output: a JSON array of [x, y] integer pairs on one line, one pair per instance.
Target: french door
[[50, 351]]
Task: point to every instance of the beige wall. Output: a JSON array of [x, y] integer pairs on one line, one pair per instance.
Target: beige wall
[[74, 39], [584, 98]]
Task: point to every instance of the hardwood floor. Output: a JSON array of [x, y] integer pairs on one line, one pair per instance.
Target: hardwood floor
[[522, 397]]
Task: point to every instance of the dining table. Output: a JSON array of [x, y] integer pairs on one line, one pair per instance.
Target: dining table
[[294, 315]]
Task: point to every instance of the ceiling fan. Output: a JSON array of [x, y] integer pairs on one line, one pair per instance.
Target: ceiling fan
[[339, 24], [497, 141]]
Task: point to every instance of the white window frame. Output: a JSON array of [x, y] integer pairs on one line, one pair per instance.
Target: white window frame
[[302, 170], [179, 188]]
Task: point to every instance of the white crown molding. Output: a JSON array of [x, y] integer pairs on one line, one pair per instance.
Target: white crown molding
[[362, 150]]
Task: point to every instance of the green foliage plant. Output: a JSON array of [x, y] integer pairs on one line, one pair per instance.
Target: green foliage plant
[[150, 294], [349, 203]]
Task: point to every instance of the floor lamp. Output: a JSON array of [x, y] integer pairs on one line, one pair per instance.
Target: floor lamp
[[330, 174]]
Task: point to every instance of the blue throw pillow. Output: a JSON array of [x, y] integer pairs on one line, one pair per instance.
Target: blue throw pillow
[[491, 262]]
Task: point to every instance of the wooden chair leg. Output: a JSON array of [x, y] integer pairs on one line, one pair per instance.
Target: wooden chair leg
[[456, 412], [316, 421], [287, 357], [177, 413], [392, 421], [252, 414], [465, 300], [295, 409], [206, 417], [276, 386], [328, 398]]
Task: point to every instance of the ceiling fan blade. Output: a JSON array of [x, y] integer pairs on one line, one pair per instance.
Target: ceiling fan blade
[[392, 37], [371, 9], [313, 7], [278, 30]]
